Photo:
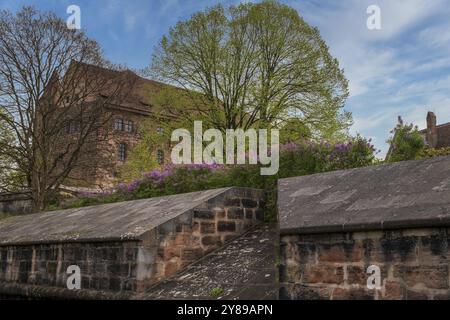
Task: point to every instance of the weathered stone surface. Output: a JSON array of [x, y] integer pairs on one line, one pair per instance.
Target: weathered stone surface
[[126, 246], [391, 196], [206, 227], [116, 221], [353, 294], [243, 269], [413, 264], [393, 216]]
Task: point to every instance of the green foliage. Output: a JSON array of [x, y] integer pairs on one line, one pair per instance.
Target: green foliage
[[406, 143], [430, 153], [172, 110], [254, 65], [142, 157], [296, 159], [294, 130], [11, 178], [216, 292]]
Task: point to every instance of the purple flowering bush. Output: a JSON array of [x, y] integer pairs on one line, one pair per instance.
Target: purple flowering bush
[[296, 159], [307, 157]]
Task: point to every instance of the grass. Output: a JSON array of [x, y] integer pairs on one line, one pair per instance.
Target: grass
[[216, 292]]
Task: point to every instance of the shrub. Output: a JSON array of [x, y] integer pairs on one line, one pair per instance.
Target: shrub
[[430, 153], [406, 143], [296, 159]]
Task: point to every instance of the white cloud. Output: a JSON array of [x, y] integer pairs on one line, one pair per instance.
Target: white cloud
[[394, 71], [399, 15]]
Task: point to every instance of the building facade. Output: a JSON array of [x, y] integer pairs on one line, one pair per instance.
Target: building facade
[[436, 136], [99, 163]]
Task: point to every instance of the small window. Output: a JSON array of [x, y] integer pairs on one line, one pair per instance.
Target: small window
[[128, 126], [73, 126], [122, 151], [118, 124], [160, 130], [160, 157]]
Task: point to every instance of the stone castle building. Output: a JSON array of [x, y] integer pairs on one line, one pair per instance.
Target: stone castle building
[[99, 164]]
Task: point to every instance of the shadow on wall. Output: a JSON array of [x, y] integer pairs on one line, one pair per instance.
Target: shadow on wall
[[15, 203]]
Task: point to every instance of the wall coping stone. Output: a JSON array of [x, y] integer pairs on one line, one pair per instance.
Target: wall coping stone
[[408, 194], [122, 221]]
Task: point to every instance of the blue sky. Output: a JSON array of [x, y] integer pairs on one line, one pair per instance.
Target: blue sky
[[402, 69]]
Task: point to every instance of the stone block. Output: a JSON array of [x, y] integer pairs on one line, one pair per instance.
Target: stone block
[[170, 268], [191, 254], [416, 295], [259, 214], [219, 213], [353, 294], [433, 277], [357, 275], [340, 252], [226, 226], [235, 213], [171, 252], [232, 202], [204, 214], [207, 227], [393, 290], [211, 241], [323, 274], [249, 203]]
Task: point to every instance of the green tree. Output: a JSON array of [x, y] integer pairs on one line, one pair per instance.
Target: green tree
[[255, 65], [294, 130], [406, 142], [10, 178]]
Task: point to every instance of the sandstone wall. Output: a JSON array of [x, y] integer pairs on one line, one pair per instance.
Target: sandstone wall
[[414, 264], [104, 266], [136, 265]]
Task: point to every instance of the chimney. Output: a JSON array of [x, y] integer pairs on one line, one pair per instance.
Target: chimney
[[431, 130]]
